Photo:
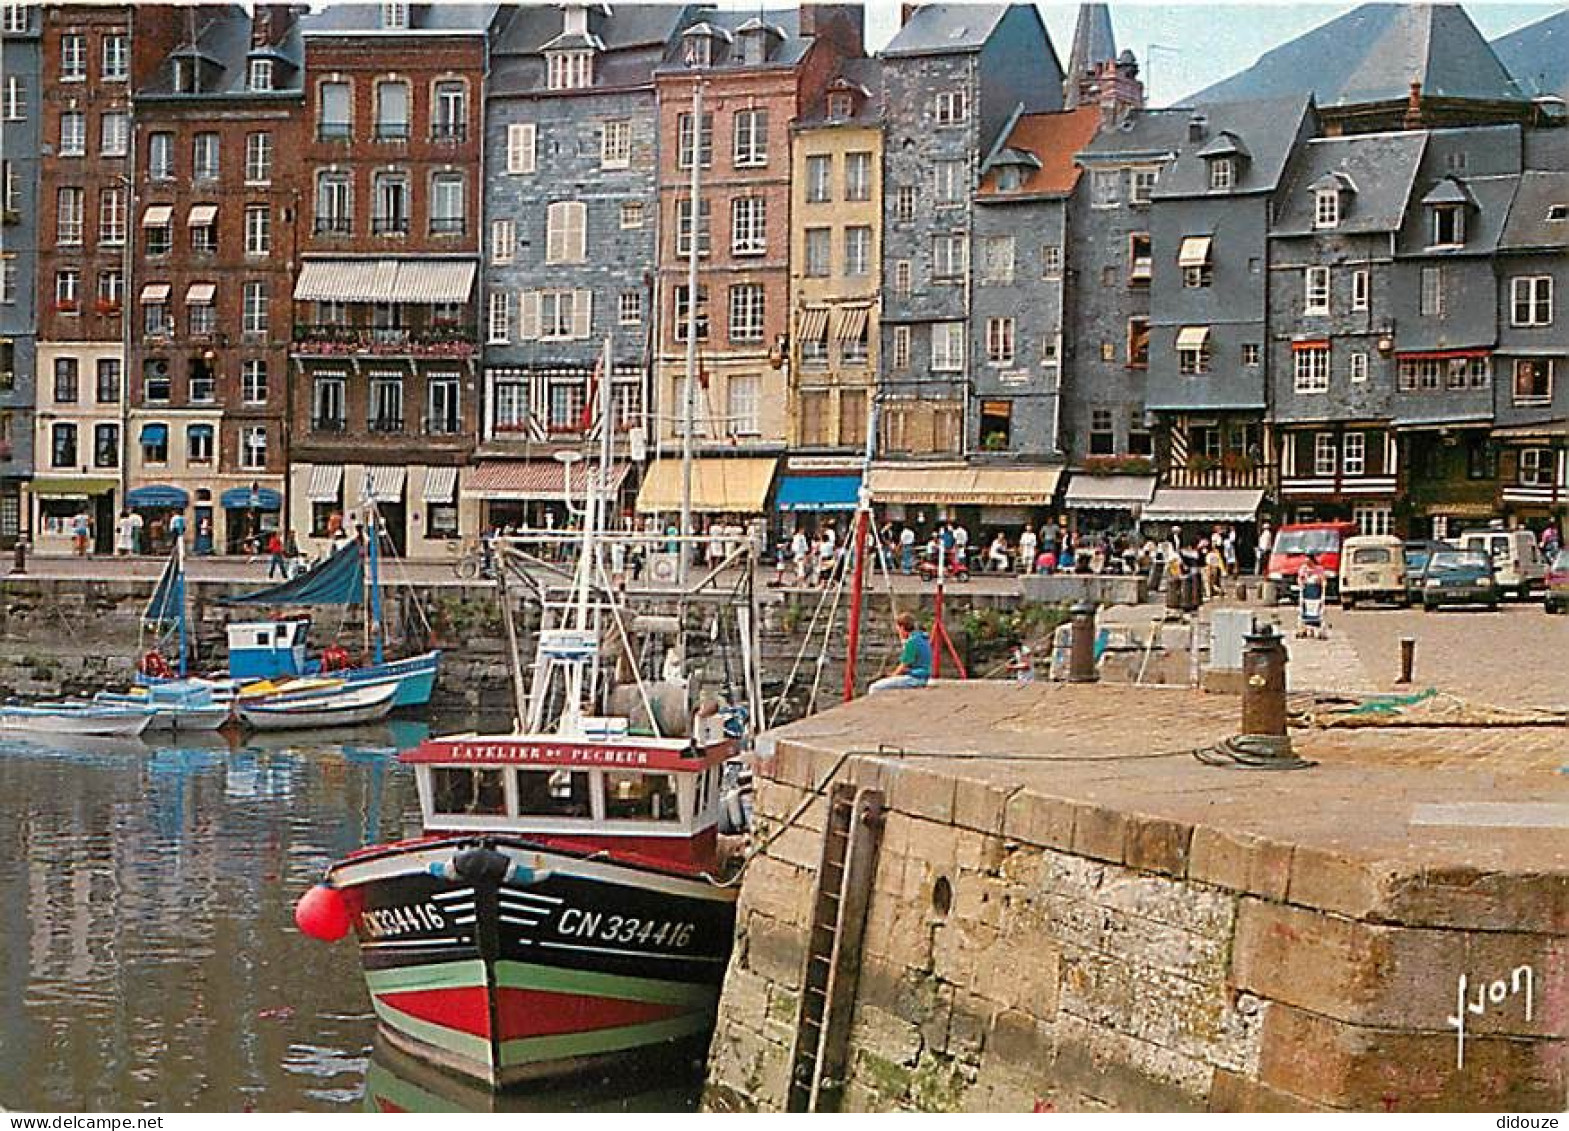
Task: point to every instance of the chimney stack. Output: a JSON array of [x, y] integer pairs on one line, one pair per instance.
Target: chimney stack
[[844, 25], [1413, 118], [1198, 127]]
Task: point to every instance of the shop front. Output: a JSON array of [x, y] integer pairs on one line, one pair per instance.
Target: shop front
[[250, 515], [814, 492], [57, 503], [537, 494], [1193, 512], [722, 489], [1106, 504], [159, 505], [985, 500]]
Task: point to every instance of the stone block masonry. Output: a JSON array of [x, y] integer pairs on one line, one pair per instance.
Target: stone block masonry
[[1070, 913]]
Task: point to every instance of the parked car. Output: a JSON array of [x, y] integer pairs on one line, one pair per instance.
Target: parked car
[[1556, 590], [1372, 568], [1294, 542], [1459, 577], [1417, 553], [1517, 559]]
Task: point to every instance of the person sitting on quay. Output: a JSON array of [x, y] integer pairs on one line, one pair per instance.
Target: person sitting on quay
[[915, 659]]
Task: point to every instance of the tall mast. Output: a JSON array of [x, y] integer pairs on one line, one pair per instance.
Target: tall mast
[[689, 394], [179, 580], [373, 619]]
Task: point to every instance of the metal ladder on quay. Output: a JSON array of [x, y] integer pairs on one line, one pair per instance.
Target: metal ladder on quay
[[852, 834]]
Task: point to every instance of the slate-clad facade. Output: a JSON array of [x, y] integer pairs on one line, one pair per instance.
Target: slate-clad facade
[[20, 25]]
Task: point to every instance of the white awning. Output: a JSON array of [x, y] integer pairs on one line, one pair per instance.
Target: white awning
[[325, 482], [1194, 251], [1172, 504], [1108, 492], [814, 324], [384, 484], [852, 323], [1192, 337], [200, 294], [441, 484], [202, 215], [384, 280], [155, 294], [157, 215]]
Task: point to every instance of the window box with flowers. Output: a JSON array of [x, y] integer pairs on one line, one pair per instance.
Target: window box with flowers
[[1202, 463], [1238, 463], [107, 306], [66, 306], [1118, 465]]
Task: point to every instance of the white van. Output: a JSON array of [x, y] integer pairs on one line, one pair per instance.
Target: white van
[[1517, 561]]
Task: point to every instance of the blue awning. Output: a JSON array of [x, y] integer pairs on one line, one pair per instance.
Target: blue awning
[[239, 499], [157, 495], [818, 492], [155, 433]]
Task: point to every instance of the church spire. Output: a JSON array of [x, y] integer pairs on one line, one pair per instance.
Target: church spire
[[1093, 45]]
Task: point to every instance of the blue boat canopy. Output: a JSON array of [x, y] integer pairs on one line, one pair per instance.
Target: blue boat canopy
[[239, 499], [157, 495], [818, 492], [340, 580]]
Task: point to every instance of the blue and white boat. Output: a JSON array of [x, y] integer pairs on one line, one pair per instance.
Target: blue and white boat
[[75, 718]]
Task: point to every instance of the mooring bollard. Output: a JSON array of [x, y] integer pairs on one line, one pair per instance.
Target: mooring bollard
[[1407, 658], [19, 559], [1264, 687], [1081, 659]]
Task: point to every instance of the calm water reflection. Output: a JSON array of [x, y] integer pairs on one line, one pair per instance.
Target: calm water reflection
[[148, 955]]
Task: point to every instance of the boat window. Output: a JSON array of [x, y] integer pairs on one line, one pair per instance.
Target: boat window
[[702, 792], [553, 793], [634, 796], [479, 792]]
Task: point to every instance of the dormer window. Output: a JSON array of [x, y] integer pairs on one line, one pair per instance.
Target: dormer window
[[698, 51], [1558, 212], [840, 105], [1222, 173], [260, 77], [1326, 208], [394, 17], [1010, 178], [571, 70], [185, 76], [1448, 225]]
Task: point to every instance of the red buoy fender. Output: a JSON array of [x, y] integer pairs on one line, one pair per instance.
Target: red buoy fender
[[323, 913]]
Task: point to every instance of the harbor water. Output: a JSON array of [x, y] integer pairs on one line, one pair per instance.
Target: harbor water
[[148, 955]]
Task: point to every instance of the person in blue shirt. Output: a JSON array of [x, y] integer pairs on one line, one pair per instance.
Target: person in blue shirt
[[915, 658]]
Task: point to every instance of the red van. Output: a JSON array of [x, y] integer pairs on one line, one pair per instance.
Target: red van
[[1294, 543]]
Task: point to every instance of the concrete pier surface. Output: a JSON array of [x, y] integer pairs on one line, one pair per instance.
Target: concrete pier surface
[[1071, 912]]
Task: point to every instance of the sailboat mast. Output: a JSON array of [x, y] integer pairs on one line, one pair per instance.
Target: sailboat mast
[[689, 394], [863, 515], [373, 620], [179, 566]]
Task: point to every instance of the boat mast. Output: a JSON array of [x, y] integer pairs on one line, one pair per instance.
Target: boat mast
[[689, 393], [179, 567], [863, 513], [373, 618]]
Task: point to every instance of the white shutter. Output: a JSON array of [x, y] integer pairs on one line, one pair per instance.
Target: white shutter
[[520, 147], [500, 315], [576, 239], [555, 233], [528, 316], [582, 313]]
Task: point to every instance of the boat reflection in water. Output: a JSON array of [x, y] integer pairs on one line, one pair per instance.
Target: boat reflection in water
[[396, 1082]]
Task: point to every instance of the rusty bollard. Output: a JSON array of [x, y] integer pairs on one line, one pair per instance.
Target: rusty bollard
[[1407, 658], [1264, 686], [1081, 659]]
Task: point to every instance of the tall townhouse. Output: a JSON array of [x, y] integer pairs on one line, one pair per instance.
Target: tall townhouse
[[954, 77], [1446, 325], [1208, 378], [19, 143], [1332, 316], [90, 56], [757, 74], [571, 176], [385, 345], [1531, 363], [835, 275], [216, 135]]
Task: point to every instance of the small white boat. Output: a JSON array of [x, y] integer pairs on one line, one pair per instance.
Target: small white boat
[[322, 710], [87, 720], [179, 705]]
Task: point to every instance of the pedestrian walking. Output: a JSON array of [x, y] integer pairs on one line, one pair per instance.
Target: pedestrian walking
[[79, 533], [907, 549], [1266, 538], [275, 560], [124, 535], [1027, 548]]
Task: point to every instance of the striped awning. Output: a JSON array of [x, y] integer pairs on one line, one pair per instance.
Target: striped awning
[[155, 294], [1194, 251], [384, 484], [814, 324], [1192, 337], [441, 485], [958, 484], [157, 215], [1108, 492], [535, 480], [852, 323], [385, 280], [719, 486], [200, 294], [1176, 504], [325, 483], [202, 216]]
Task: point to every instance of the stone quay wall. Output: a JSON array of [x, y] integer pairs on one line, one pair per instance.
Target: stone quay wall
[[1024, 952]]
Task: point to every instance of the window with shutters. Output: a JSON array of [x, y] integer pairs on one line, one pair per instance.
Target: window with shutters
[[557, 315], [819, 179], [258, 158], [819, 252], [684, 141], [742, 402], [949, 255], [684, 227], [749, 225], [852, 418], [814, 418], [566, 237], [503, 240], [682, 313], [1532, 300], [951, 181], [615, 144], [857, 251], [746, 312], [520, 147], [750, 143], [997, 259], [499, 328], [858, 176], [1138, 343], [1140, 262], [948, 346], [999, 341]]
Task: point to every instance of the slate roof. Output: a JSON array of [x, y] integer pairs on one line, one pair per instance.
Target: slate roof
[[1528, 227], [865, 74], [363, 19], [1264, 130], [1382, 168], [635, 38], [1140, 134], [947, 29], [1052, 140], [224, 43], [1372, 54], [1537, 55], [787, 53]]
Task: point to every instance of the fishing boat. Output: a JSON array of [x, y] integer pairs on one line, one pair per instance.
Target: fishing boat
[[181, 706], [75, 718], [565, 906], [350, 576], [344, 706]]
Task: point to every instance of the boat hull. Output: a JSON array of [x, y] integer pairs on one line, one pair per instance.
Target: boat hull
[[579, 964], [345, 708], [415, 678], [86, 723]]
